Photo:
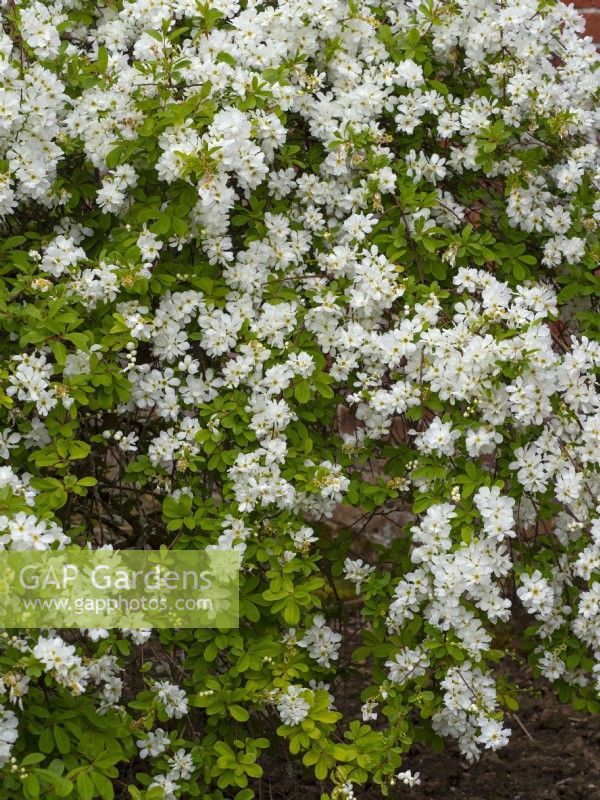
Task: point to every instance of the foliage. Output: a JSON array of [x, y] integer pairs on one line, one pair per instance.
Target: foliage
[[260, 260]]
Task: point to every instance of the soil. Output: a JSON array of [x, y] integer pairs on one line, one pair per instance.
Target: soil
[[553, 754]]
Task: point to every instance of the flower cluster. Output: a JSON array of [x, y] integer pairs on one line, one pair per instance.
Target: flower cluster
[[264, 265]]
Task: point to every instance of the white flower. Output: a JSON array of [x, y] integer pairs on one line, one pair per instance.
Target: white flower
[[8, 733], [168, 786], [292, 706], [322, 642], [154, 744], [356, 571], [439, 438], [181, 765], [173, 698], [406, 665], [409, 778]]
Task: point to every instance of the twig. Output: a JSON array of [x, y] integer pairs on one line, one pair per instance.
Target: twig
[[523, 728]]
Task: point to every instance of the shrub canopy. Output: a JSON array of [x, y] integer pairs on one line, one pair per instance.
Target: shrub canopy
[[259, 260]]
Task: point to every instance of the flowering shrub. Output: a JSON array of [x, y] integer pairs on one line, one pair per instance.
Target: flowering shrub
[[259, 260]]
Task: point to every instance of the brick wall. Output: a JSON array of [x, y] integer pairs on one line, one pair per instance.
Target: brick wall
[[591, 12]]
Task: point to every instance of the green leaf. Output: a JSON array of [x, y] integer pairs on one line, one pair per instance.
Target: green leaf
[[422, 504], [78, 449], [102, 62], [291, 613], [103, 785], [32, 758], [322, 768], [114, 156], [62, 740], [87, 481], [302, 391], [510, 702], [239, 713], [62, 786], [325, 390], [46, 742], [85, 786], [31, 787], [455, 652], [226, 58], [59, 351]]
